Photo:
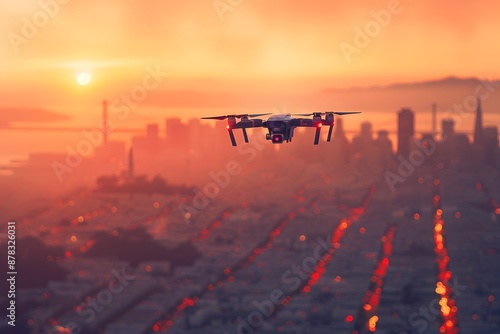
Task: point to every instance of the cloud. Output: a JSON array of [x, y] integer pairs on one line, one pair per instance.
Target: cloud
[[10, 115]]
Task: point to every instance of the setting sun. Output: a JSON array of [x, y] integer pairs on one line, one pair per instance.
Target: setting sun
[[83, 78]]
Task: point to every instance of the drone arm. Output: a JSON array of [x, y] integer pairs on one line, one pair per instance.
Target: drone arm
[[246, 123], [304, 122], [249, 123]]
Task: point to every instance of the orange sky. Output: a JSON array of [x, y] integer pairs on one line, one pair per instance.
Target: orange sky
[[278, 47]]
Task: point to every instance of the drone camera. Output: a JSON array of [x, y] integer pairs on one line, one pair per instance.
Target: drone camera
[[277, 138]]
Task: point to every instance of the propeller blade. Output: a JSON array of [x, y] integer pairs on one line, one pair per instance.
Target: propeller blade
[[220, 118], [322, 113], [257, 115], [340, 113]]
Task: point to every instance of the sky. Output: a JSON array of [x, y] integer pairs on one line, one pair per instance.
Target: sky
[[229, 54]]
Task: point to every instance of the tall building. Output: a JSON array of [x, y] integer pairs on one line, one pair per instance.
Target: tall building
[[363, 150], [340, 145], [131, 163], [146, 151], [448, 147], [384, 146], [383, 140], [478, 127], [491, 136], [105, 123], [177, 133], [491, 151], [366, 131], [434, 120], [364, 141], [195, 133], [151, 142], [339, 133], [406, 130], [448, 128], [152, 131]]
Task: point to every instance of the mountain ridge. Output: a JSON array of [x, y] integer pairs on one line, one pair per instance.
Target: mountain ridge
[[442, 82]]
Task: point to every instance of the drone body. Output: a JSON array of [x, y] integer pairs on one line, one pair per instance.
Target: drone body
[[280, 127]]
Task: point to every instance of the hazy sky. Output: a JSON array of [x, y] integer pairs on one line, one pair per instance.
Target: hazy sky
[[256, 47]]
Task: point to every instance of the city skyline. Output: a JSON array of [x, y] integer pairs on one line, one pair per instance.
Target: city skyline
[[129, 205], [379, 105]]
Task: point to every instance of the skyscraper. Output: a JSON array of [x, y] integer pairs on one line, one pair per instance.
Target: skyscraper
[[177, 133], [131, 162], [340, 145], [448, 128], [364, 141], [152, 131], [384, 146], [490, 140], [434, 120], [105, 125], [366, 131], [491, 136], [478, 127], [339, 133], [406, 130]]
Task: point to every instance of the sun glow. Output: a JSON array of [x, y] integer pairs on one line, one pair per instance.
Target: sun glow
[[83, 78]]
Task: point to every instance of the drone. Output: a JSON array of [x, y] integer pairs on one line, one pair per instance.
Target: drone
[[281, 126]]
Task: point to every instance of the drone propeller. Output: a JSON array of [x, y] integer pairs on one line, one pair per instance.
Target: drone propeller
[[323, 113], [243, 124], [328, 121], [221, 118], [257, 115], [340, 113]]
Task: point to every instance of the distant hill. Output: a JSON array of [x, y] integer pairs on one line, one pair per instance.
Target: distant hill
[[445, 92], [447, 82], [9, 115]]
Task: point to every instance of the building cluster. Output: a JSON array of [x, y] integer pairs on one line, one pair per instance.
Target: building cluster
[[456, 149], [187, 151]]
